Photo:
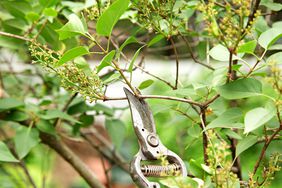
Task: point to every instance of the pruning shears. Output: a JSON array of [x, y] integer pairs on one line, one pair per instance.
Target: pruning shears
[[151, 148]]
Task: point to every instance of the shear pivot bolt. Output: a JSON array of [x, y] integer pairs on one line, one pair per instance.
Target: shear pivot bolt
[[153, 140]]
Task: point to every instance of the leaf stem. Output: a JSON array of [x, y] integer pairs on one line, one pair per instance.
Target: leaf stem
[[193, 55]]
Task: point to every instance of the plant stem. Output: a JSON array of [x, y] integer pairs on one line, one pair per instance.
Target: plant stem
[[229, 73], [26, 172], [177, 63], [162, 80], [267, 142], [192, 54], [205, 138], [14, 36], [207, 103], [186, 115], [124, 78], [106, 172]]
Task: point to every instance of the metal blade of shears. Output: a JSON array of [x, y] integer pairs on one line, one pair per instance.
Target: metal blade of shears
[[141, 113]]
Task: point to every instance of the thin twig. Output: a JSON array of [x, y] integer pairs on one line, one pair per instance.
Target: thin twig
[[207, 103], [176, 61], [186, 115], [106, 172], [205, 138], [26, 172], [267, 142], [252, 15], [192, 54], [229, 73], [124, 77], [147, 72], [250, 19], [41, 28], [167, 47], [253, 68], [14, 36]]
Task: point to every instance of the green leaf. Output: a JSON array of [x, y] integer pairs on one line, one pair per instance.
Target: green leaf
[[12, 43], [17, 8], [50, 12], [116, 129], [86, 120], [269, 37], [248, 47], [113, 77], [78, 108], [201, 89], [227, 119], [17, 116], [82, 64], [48, 3], [275, 58], [275, 47], [110, 16], [145, 84], [245, 144], [130, 68], [106, 61], [32, 16], [53, 114], [15, 24], [100, 108], [129, 40], [232, 134], [72, 53], [155, 40], [260, 25], [25, 140], [5, 154], [271, 5], [219, 53], [206, 168], [46, 126], [236, 67], [256, 118], [174, 182], [241, 88], [277, 24], [10, 103], [196, 168], [74, 27], [193, 131]]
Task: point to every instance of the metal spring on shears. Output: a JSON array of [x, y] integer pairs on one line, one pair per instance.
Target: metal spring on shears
[[159, 170]]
